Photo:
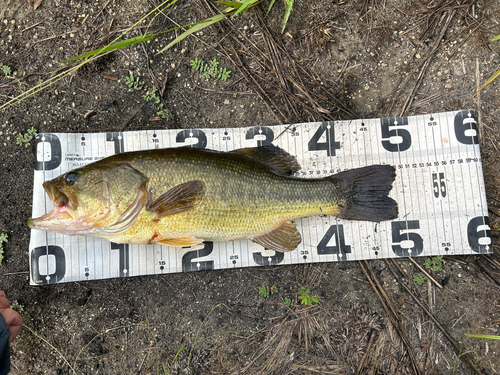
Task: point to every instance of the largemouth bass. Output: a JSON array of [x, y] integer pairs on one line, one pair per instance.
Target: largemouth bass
[[184, 196]]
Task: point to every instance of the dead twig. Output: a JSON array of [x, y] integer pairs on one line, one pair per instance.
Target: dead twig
[[426, 273], [426, 63], [467, 358], [391, 312]]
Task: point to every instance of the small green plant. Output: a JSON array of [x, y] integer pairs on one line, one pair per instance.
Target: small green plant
[[3, 238], [432, 264], [26, 138], [210, 70], [5, 69], [266, 290], [17, 306], [150, 95], [419, 278], [460, 354], [289, 302], [305, 296]]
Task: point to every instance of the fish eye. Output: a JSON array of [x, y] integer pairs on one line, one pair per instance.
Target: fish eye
[[70, 178]]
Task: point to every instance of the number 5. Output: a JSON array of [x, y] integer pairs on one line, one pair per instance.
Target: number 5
[[439, 187]]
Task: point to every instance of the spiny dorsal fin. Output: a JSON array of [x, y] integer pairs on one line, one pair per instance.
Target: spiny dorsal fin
[[284, 238], [180, 198], [272, 155]]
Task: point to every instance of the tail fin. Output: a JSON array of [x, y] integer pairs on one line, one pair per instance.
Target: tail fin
[[365, 192]]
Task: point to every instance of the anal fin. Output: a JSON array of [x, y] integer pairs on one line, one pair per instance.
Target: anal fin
[[283, 239], [180, 242]]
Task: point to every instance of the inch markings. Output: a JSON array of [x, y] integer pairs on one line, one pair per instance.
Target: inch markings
[[439, 189]]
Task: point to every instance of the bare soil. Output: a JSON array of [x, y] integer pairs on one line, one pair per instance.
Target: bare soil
[[335, 60]]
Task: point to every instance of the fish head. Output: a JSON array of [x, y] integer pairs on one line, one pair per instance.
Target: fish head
[[98, 199]]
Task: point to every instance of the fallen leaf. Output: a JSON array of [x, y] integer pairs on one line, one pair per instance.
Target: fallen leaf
[[34, 3]]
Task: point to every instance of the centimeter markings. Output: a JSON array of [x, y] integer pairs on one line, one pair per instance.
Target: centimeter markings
[[439, 189]]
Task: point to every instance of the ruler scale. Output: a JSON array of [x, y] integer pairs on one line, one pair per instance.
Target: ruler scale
[[439, 188]]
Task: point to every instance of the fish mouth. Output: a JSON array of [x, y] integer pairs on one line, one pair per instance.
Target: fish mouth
[[63, 200], [61, 218]]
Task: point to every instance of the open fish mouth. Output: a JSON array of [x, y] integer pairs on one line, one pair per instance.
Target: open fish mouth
[[61, 218], [63, 201]]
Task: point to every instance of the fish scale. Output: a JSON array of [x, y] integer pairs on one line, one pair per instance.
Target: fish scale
[[242, 199]]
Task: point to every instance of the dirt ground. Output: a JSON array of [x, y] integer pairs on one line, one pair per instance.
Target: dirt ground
[[336, 60]]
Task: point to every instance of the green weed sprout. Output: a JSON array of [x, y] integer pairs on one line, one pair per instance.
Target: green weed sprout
[[289, 302], [5, 69], [17, 306], [432, 264], [265, 290], [26, 138], [305, 296], [150, 95], [3, 238], [420, 278], [210, 70]]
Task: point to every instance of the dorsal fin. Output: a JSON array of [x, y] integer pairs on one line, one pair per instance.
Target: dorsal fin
[[180, 198], [272, 155]]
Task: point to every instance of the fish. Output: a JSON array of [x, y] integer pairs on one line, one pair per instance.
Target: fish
[[182, 197]]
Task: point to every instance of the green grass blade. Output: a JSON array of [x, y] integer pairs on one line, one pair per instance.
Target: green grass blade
[[112, 47], [231, 4], [484, 336], [244, 7], [270, 6], [495, 75], [198, 26], [128, 42], [496, 38], [288, 10]]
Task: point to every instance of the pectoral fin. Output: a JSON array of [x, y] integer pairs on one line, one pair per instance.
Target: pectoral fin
[[180, 198], [284, 238], [181, 242]]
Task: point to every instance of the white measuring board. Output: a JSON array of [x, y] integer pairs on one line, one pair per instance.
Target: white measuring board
[[439, 188]]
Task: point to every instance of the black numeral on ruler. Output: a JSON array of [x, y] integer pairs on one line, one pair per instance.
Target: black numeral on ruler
[[337, 232], [330, 145], [49, 146], [261, 131], [465, 122], [117, 139], [200, 136], [123, 256], [439, 184], [55, 261], [187, 259], [394, 137], [478, 234], [401, 235]]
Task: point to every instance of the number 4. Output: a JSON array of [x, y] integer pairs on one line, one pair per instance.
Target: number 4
[[330, 145]]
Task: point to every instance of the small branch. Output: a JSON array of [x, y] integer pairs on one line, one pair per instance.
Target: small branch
[[426, 273]]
